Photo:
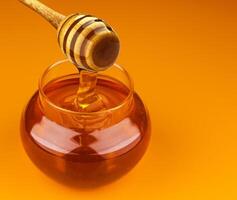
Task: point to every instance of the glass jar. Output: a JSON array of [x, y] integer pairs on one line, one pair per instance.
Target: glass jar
[[85, 149]]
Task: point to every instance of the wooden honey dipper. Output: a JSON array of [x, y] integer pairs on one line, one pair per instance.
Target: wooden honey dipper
[[87, 41]]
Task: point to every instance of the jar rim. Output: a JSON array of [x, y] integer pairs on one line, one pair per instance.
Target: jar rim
[[112, 109]]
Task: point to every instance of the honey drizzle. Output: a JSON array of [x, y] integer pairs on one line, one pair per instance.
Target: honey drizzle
[[87, 98]]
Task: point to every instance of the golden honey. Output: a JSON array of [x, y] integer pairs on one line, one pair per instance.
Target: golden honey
[[85, 148]]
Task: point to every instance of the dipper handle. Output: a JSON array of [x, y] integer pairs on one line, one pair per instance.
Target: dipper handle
[[52, 16]]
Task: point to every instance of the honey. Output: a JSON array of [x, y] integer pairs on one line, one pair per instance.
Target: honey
[[85, 137]]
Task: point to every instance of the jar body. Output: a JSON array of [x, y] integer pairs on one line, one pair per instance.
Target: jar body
[[84, 159]]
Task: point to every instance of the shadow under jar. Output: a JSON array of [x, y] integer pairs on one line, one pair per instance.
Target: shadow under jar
[[85, 149]]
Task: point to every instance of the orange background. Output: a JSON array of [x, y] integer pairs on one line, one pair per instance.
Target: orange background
[[182, 57]]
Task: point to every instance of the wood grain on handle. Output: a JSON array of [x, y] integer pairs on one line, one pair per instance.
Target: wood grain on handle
[[49, 14]]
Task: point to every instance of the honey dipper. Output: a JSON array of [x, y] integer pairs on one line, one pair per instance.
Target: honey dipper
[[87, 41]]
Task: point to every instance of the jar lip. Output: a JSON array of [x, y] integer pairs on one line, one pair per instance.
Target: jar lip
[[42, 93]]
